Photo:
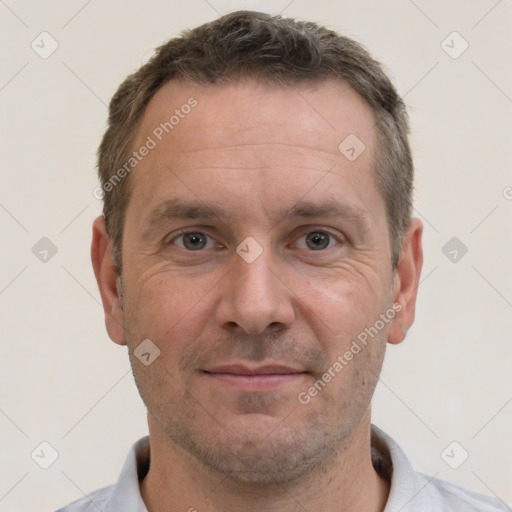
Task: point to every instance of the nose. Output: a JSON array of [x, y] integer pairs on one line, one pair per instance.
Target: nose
[[254, 298]]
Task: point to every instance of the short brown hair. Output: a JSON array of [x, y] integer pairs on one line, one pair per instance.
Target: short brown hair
[[274, 50]]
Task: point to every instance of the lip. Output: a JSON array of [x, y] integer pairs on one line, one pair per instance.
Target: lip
[[262, 378], [240, 369]]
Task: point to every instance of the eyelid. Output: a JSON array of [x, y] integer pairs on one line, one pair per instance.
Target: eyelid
[[323, 229]]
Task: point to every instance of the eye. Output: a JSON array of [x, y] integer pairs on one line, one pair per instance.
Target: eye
[[192, 240], [317, 241], [197, 240]]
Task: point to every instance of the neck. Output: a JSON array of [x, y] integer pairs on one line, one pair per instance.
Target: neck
[[348, 483]]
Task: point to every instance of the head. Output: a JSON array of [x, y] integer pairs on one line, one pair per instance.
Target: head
[[293, 252]]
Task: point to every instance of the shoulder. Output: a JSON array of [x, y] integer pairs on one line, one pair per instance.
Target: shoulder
[[93, 502], [447, 497], [415, 492], [124, 496]]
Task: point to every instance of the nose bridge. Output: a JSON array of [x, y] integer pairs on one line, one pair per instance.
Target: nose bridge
[[254, 297], [253, 273]]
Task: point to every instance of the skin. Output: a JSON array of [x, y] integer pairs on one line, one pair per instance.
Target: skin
[[256, 151]]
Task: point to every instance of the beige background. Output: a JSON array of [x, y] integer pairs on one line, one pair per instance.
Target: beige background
[[65, 383]]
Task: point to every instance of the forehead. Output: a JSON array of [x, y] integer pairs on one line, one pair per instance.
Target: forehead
[[266, 144], [316, 116]]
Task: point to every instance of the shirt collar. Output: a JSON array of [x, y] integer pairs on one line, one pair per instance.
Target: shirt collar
[[126, 493]]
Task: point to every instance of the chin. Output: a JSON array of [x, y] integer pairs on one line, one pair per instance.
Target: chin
[[257, 454], [260, 462]]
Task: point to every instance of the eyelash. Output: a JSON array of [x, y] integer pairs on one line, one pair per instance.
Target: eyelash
[[192, 231]]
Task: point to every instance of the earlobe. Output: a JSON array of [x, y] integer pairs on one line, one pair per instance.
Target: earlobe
[[406, 282], [109, 283]]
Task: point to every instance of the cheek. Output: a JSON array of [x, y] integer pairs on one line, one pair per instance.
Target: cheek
[[161, 389], [165, 301], [344, 301], [160, 310], [347, 395]]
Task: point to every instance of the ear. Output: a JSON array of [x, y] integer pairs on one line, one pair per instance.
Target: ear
[[406, 282], [108, 281]]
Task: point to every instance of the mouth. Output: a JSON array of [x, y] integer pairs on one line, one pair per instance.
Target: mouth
[[255, 379]]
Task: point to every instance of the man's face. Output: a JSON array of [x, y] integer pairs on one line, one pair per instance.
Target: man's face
[[260, 299]]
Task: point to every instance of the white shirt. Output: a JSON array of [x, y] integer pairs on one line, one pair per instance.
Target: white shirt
[[410, 491]]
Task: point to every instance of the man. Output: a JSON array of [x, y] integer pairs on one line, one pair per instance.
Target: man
[[256, 254]]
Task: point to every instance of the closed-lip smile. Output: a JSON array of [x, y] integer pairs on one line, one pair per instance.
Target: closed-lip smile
[[254, 379]]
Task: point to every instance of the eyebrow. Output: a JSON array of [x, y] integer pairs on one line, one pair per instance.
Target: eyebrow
[[179, 209]]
